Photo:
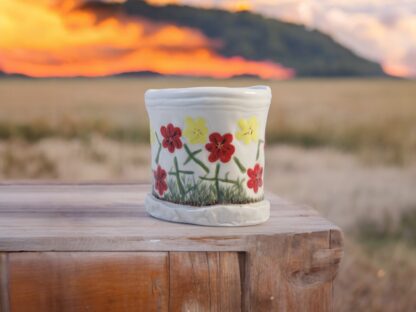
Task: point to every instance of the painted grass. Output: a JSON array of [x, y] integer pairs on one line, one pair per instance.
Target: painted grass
[[202, 193]]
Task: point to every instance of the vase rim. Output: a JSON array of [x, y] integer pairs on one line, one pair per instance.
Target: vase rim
[[252, 92]]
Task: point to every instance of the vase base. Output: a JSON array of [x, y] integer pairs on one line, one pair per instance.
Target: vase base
[[215, 215]]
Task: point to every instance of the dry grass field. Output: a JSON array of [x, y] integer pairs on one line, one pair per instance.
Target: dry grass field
[[375, 118], [345, 147]]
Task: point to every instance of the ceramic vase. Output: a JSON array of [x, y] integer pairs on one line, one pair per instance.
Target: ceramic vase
[[207, 146]]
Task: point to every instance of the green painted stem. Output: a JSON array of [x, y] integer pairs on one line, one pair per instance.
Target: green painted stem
[[178, 178], [220, 180], [159, 149], [191, 155], [217, 182], [239, 165], [182, 172], [258, 149]]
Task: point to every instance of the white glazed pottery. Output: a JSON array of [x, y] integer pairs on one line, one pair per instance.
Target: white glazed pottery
[[208, 155]]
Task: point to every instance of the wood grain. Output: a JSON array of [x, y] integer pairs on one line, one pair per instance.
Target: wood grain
[[230, 282], [204, 281], [4, 280], [97, 233], [292, 273], [113, 218], [56, 281]]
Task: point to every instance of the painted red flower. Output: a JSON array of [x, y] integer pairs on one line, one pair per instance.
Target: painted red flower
[[171, 137], [160, 180], [220, 147], [255, 178]]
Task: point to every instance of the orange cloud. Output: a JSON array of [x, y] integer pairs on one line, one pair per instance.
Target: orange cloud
[[40, 38]]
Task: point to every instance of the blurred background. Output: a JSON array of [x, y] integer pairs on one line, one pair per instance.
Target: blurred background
[[342, 126]]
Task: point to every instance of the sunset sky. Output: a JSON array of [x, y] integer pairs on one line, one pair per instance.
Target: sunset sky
[[381, 30], [49, 38]]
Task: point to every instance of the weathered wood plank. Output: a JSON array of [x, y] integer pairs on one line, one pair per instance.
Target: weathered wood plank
[[193, 281], [309, 272], [286, 264], [292, 273], [336, 245], [230, 282], [204, 281], [60, 281], [112, 217], [4, 291]]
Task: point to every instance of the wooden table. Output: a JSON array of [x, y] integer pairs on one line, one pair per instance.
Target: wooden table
[[94, 248]]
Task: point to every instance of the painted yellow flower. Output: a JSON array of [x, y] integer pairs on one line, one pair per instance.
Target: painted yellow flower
[[248, 130], [195, 130]]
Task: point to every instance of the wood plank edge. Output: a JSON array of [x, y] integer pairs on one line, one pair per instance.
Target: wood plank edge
[[243, 283], [169, 281], [4, 283], [336, 240]]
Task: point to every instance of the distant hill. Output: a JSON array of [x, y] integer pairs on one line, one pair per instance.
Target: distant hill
[[137, 74], [6, 75], [254, 37]]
